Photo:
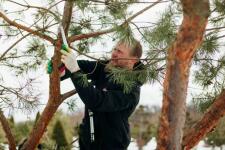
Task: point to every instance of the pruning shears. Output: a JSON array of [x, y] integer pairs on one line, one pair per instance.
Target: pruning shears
[[65, 45]]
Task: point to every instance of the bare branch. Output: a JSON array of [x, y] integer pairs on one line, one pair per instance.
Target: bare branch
[[25, 28], [216, 28], [38, 7], [68, 94]]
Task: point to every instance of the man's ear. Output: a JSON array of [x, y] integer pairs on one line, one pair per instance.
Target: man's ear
[[134, 60]]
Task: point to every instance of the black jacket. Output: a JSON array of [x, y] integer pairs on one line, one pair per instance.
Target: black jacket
[[110, 105]]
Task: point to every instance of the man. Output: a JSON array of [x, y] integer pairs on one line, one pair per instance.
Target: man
[[107, 108]]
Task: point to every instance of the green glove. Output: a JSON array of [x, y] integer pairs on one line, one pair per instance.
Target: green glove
[[49, 67]]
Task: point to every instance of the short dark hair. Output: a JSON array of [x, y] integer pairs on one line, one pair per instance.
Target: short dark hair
[[135, 45]]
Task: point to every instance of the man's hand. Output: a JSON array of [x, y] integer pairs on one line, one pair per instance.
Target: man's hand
[[70, 60]]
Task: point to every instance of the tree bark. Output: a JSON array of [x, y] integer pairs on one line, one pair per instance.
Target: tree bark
[[8, 132], [180, 54], [55, 98], [208, 122]]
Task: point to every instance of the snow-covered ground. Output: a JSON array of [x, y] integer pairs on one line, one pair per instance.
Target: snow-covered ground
[[151, 145]]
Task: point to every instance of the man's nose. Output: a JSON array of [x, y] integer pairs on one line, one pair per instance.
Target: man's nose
[[114, 54]]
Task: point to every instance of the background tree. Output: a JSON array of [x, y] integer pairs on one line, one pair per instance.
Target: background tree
[[37, 117], [144, 123], [59, 137]]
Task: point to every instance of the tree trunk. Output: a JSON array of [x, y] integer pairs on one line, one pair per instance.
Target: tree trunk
[[180, 54], [7, 130], [207, 123], [55, 98]]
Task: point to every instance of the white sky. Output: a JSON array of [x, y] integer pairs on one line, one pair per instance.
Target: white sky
[[150, 94]]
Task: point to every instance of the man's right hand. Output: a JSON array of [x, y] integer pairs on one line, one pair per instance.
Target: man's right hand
[[70, 60]]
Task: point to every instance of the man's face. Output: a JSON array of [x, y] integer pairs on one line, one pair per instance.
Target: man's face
[[121, 56]]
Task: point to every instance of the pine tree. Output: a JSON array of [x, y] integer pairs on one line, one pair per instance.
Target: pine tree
[[59, 137], [113, 17], [37, 117]]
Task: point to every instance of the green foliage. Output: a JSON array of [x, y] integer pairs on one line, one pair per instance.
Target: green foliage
[[83, 81], [22, 130], [125, 34], [35, 55], [205, 99], [83, 46], [163, 33], [202, 104], [127, 78], [82, 4], [152, 73], [37, 117], [59, 136], [11, 121], [116, 8], [71, 104], [158, 39], [37, 48], [209, 46], [37, 52], [217, 136], [211, 73], [204, 76], [220, 6], [67, 125], [9, 31], [75, 30]]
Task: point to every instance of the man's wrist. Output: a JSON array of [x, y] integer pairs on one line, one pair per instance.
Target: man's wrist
[[76, 68]]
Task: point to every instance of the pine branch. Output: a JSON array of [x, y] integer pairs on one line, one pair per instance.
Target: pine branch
[[135, 2], [14, 44], [207, 123], [94, 34], [6, 51], [216, 28], [37, 7], [25, 28]]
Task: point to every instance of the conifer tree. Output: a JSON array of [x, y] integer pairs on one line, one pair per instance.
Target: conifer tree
[[59, 137], [37, 117], [164, 49]]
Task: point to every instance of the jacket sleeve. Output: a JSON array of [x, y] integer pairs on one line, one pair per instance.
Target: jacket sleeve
[[86, 67], [107, 101]]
